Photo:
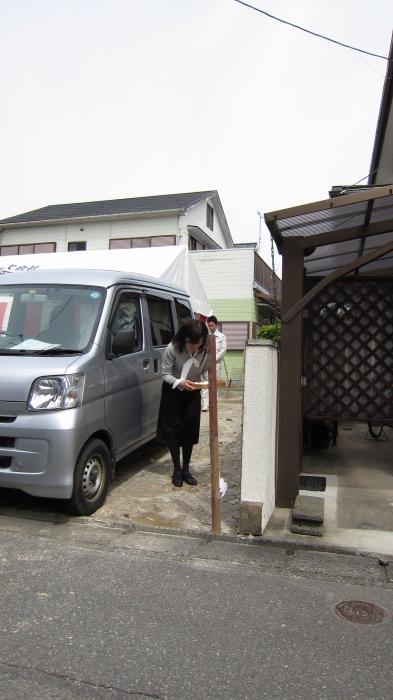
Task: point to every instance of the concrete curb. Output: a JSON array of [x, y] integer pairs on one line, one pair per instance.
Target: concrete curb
[[253, 540]]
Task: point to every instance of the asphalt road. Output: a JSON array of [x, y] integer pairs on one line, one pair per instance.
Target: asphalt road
[[115, 613]]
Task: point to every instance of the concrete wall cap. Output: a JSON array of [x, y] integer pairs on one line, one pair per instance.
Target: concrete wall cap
[[261, 341]]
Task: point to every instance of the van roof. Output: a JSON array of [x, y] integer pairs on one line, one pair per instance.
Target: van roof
[[97, 278]]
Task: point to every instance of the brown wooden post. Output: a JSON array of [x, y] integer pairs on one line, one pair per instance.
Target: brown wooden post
[[290, 415], [213, 424]]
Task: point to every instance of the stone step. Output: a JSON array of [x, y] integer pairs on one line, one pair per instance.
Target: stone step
[[307, 516], [307, 527], [309, 482], [309, 508]]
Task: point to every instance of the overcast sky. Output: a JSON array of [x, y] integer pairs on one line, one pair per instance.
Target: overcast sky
[[105, 99]]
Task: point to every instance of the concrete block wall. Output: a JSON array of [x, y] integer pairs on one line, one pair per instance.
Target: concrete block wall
[[258, 495]]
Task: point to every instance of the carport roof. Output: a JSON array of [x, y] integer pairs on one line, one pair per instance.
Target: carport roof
[[346, 232]]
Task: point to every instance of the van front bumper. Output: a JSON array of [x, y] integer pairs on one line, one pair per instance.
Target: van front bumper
[[38, 450]]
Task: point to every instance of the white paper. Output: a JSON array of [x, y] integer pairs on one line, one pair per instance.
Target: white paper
[[223, 487], [33, 344]]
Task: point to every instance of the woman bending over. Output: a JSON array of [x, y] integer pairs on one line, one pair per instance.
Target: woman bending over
[[185, 361]]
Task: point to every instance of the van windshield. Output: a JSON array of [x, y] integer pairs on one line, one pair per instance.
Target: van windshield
[[48, 320]]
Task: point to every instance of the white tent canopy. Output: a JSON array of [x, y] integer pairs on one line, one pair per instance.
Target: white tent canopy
[[170, 263]]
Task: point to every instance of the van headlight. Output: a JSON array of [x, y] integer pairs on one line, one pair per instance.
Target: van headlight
[[54, 393]]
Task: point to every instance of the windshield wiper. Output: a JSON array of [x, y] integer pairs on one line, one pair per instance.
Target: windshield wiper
[[57, 351]]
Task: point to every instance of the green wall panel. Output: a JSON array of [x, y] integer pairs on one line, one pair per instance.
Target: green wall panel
[[234, 309]]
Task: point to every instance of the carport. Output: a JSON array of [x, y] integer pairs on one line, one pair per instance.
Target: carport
[[337, 319]]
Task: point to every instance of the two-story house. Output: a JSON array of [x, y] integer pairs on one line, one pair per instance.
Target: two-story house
[[236, 280]]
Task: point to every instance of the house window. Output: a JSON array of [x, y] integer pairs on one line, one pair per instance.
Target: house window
[[193, 244], [209, 217], [145, 242], [28, 248], [44, 247], [139, 243], [9, 250], [117, 243], [76, 245], [236, 333], [158, 241]]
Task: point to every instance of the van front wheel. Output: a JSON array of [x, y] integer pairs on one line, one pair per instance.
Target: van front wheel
[[91, 478]]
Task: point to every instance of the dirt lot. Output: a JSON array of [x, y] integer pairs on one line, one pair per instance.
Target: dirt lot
[[142, 492]]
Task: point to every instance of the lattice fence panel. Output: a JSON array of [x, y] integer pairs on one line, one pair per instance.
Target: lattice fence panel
[[349, 352]]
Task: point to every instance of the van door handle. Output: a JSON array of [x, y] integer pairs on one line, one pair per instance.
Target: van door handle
[[146, 365]]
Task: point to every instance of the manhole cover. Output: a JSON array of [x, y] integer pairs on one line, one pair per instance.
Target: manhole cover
[[361, 612]]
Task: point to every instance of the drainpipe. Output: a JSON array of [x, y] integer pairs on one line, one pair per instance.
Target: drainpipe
[[182, 235]]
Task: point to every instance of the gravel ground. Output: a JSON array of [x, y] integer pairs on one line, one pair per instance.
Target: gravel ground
[[142, 492]]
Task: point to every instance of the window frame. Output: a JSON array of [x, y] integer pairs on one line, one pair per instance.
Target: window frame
[[35, 248], [77, 244], [127, 243], [162, 318], [134, 296], [209, 216]]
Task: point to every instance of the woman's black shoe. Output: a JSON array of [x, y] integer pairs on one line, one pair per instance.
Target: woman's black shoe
[[177, 480], [189, 479]]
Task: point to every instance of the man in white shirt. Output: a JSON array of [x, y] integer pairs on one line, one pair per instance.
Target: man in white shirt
[[221, 346]]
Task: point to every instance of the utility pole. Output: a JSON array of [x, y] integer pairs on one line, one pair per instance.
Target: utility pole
[[260, 230]]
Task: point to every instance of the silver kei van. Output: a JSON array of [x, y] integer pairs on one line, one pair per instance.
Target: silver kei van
[[80, 376]]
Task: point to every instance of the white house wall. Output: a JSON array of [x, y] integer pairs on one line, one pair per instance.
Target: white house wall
[[97, 234], [196, 216], [34, 234], [142, 227], [226, 274]]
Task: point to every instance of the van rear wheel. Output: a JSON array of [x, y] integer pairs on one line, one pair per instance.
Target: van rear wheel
[[91, 478]]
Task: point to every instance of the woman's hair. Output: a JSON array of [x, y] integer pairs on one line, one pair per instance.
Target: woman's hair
[[192, 330]]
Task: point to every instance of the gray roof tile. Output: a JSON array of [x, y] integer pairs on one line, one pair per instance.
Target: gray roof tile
[[110, 207]]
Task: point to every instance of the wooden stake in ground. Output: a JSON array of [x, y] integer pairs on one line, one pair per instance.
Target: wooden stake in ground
[[213, 424]]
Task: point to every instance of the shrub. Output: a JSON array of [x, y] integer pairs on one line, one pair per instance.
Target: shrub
[[272, 332]]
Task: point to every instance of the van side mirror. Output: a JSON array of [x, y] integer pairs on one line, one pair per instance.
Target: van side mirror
[[123, 342]]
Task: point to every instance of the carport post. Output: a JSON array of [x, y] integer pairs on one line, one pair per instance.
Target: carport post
[[290, 413], [213, 425]]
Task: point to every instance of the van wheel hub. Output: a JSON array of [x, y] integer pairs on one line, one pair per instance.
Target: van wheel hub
[[92, 478]]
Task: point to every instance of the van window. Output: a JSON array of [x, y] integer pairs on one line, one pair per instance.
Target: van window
[[161, 323], [127, 316], [37, 318], [183, 311]]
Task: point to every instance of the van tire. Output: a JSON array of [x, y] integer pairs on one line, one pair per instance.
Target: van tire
[[91, 478]]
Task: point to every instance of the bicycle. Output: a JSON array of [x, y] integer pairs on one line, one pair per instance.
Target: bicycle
[[375, 429]]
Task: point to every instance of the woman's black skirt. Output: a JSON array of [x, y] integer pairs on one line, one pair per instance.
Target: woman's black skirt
[[179, 416]]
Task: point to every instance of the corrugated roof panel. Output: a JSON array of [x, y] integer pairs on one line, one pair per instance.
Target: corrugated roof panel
[[323, 221], [370, 210], [382, 209]]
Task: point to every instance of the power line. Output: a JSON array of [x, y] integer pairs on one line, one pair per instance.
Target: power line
[[308, 31], [372, 172]]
